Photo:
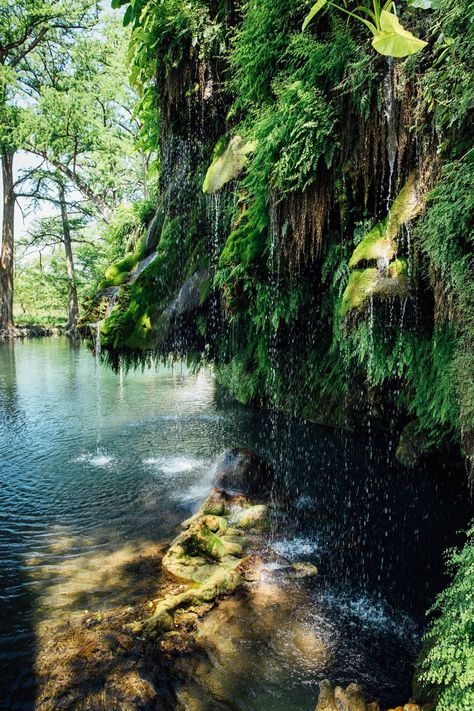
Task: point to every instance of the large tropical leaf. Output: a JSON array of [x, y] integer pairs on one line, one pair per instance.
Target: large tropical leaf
[[393, 40], [314, 10]]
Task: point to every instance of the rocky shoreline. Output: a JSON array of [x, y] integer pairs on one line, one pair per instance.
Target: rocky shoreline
[[180, 650], [31, 331]]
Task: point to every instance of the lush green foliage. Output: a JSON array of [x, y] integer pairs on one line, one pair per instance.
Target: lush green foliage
[[297, 212], [446, 666], [389, 37]]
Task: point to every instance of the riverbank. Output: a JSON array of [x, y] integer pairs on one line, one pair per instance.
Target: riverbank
[[31, 331]]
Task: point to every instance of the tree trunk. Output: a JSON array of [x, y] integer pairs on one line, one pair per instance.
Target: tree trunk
[[71, 277], [8, 241]]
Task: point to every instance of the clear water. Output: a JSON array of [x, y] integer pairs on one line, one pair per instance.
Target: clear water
[[97, 467]]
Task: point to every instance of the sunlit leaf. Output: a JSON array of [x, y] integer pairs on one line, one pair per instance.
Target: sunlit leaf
[[393, 40], [421, 4], [314, 10]]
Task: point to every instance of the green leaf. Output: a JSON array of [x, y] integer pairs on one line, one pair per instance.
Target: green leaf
[[127, 18], [314, 10], [393, 40], [420, 4]]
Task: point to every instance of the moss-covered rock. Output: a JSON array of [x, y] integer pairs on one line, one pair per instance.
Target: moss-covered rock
[[339, 699], [303, 570], [365, 284], [227, 164], [380, 243], [252, 517], [388, 277]]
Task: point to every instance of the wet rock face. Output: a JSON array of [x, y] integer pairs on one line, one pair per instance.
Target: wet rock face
[[243, 471]]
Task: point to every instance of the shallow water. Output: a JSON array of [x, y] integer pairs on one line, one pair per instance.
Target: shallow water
[[96, 468]]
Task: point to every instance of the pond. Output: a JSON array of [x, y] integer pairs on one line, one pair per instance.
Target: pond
[[98, 467]]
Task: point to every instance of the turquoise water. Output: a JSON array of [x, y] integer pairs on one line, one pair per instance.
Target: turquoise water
[[97, 467]]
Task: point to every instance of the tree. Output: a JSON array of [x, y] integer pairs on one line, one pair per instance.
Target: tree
[[65, 227], [26, 26], [80, 123], [81, 118]]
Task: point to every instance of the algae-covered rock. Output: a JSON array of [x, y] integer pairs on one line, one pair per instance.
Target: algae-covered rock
[[242, 471], [227, 164], [365, 284], [350, 699], [339, 699], [252, 517], [377, 245], [214, 504], [200, 540], [303, 570], [380, 243]]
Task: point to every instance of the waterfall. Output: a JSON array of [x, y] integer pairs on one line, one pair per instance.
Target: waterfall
[[97, 341], [392, 143]]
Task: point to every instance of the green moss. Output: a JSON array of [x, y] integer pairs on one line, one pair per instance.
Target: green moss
[[119, 272], [376, 245], [365, 284], [361, 286], [228, 164], [380, 243]]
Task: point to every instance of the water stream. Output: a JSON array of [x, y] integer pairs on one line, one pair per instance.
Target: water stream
[[87, 489]]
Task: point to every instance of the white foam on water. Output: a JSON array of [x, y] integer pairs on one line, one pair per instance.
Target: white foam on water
[[181, 464], [194, 493], [304, 502], [376, 614], [97, 459], [293, 548], [175, 465]]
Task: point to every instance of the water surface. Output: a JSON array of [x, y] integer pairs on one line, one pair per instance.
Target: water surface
[[96, 468]]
